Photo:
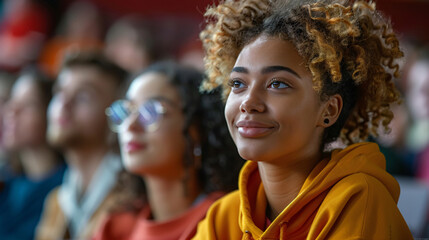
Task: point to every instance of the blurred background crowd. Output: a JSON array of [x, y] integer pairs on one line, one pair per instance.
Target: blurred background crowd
[[36, 35]]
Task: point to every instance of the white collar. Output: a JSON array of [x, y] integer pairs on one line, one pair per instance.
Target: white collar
[[79, 212]]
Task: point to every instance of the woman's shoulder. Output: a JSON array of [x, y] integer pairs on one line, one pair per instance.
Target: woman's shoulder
[[226, 207], [354, 201], [118, 225], [363, 184], [230, 199], [221, 221]]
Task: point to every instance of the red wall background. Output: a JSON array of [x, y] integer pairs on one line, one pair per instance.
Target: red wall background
[[408, 16]]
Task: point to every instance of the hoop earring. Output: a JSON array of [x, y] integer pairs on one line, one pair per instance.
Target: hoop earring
[[197, 150]]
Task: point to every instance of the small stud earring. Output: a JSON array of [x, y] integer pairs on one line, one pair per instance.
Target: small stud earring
[[326, 121]]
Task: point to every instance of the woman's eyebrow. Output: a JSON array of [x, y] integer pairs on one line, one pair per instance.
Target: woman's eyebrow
[[240, 70], [271, 69], [265, 70]]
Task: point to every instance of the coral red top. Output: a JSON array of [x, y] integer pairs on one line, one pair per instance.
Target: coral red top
[[138, 225]]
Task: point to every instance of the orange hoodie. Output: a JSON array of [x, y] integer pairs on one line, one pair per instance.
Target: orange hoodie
[[350, 196]]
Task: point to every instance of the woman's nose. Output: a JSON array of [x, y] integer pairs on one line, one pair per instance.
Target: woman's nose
[[133, 124], [253, 102]]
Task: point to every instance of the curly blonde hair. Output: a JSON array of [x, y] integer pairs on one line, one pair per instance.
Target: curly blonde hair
[[348, 46]]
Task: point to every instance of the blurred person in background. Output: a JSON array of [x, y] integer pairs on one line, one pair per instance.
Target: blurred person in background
[[25, 124], [130, 44], [6, 168], [23, 30], [176, 139], [400, 156], [192, 54], [86, 85], [400, 160], [81, 28], [417, 97]]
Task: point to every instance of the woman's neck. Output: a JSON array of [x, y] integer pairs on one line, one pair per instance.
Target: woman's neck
[[169, 199], [282, 183], [38, 162]]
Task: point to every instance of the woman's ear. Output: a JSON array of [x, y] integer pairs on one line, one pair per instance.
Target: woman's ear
[[331, 111]]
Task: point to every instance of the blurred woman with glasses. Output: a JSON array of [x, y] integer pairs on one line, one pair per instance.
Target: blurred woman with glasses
[[176, 139]]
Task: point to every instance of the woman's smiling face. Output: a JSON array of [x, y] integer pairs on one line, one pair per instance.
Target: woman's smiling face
[[273, 112]]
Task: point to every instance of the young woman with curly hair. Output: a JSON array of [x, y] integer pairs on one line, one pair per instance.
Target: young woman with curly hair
[[175, 139], [297, 76]]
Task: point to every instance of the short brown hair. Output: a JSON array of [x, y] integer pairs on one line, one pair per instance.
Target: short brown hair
[[96, 60]]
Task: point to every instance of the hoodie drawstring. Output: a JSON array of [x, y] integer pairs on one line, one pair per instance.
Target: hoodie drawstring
[[283, 228], [247, 235]]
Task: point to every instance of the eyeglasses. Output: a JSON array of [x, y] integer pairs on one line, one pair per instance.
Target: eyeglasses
[[148, 114]]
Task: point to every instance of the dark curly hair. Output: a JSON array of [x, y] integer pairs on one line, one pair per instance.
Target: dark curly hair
[[220, 161], [348, 46]]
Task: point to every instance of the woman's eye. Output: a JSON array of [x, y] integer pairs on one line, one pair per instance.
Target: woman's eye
[[278, 85], [236, 84]]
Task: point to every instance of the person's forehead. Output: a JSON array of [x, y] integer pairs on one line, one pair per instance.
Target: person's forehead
[[419, 74], [152, 85]]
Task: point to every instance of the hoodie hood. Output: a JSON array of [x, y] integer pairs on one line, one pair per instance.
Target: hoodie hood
[[295, 220]]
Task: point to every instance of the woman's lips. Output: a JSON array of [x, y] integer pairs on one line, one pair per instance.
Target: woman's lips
[[134, 146], [253, 129]]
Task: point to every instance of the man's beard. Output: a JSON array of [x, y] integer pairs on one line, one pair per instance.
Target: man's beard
[[63, 140]]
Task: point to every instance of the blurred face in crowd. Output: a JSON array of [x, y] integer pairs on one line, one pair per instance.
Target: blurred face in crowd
[[24, 116], [4, 95], [418, 93], [76, 113], [124, 50], [156, 149], [398, 127]]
